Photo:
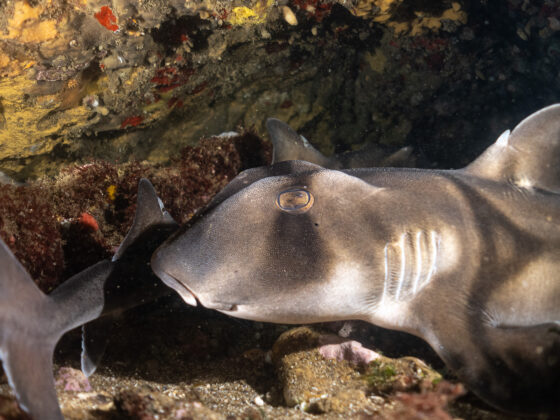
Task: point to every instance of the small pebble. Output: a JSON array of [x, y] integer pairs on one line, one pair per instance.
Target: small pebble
[[289, 16], [554, 23]]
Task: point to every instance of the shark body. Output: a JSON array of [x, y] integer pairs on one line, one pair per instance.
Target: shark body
[[468, 260], [31, 323]]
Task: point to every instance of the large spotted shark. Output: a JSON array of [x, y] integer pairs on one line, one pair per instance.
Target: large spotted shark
[[468, 259], [31, 323]]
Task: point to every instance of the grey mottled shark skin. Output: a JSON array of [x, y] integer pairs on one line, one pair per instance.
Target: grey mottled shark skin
[[289, 145], [468, 260], [31, 323]]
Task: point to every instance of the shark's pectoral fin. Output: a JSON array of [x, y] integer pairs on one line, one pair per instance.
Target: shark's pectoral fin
[[516, 369], [529, 156], [95, 337], [28, 364], [289, 145]]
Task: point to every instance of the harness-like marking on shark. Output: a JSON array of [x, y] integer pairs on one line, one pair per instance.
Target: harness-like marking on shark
[[468, 259], [31, 323]]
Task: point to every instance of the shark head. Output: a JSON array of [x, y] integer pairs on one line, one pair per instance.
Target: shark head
[[265, 245]]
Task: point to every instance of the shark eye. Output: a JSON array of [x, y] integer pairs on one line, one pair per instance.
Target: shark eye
[[295, 200]]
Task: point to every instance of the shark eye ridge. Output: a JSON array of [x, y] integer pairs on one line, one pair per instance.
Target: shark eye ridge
[[295, 200]]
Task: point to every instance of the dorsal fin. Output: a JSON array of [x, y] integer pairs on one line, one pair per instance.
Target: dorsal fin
[[289, 145], [400, 158], [149, 212], [372, 156], [529, 156]]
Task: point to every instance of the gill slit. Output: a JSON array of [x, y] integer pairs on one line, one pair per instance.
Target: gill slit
[[401, 247], [410, 263], [418, 264], [434, 241], [386, 281]]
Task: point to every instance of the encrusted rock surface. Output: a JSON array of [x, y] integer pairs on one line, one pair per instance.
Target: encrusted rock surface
[[121, 79], [314, 383], [318, 379]]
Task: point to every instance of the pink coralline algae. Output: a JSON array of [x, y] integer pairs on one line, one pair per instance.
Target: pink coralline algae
[[72, 380], [334, 347]]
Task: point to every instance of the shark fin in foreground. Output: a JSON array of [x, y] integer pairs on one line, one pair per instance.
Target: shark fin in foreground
[[132, 283], [31, 323], [150, 214], [468, 259], [25, 350]]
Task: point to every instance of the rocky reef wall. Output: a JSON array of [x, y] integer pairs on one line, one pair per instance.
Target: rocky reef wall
[[130, 79]]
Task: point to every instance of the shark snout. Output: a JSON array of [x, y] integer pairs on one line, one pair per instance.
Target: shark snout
[[159, 268], [163, 269]]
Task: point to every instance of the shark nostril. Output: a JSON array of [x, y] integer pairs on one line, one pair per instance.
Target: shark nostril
[[295, 200]]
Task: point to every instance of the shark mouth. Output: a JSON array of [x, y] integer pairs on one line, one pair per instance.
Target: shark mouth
[[222, 307], [190, 297], [186, 294]]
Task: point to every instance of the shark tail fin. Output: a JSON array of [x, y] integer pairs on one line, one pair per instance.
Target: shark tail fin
[[26, 344], [289, 145], [529, 156]]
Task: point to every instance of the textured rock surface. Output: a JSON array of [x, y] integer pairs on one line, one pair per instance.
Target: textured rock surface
[[121, 79], [318, 379], [313, 383]]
